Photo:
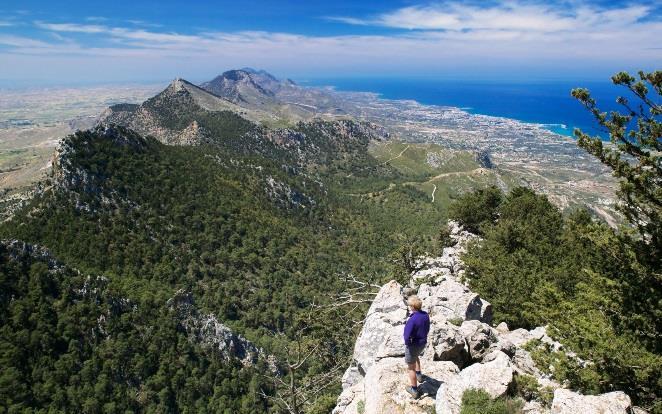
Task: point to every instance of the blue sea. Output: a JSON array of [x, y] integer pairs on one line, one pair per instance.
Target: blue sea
[[548, 103]]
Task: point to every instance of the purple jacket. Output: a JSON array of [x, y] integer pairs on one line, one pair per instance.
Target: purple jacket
[[417, 328]]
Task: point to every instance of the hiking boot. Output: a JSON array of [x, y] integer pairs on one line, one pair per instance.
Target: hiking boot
[[414, 393], [420, 377]]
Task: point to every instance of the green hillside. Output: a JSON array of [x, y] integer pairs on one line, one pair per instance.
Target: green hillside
[[256, 245]]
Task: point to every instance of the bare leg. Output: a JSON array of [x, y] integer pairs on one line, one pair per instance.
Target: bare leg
[[411, 371], [418, 364]]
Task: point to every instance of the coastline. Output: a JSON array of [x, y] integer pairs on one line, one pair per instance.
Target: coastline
[[521, 102]]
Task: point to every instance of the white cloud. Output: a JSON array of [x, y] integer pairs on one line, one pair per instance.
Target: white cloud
[[96, 19], [71, 27], [4, 23], [143, 23], [529, 39], [21, 42], [506, 15]]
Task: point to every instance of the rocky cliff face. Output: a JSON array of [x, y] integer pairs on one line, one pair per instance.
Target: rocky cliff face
[[208, 331], [463, 351], [201, 329]]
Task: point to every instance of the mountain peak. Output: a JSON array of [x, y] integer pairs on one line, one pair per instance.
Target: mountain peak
[[260, 72], [235, 74], [178, 84], [242, 86]]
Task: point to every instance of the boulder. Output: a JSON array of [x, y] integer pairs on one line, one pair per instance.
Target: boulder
[[432, 274], [351, 377], [519, 337], [569, 402], [384, 389], [534, 407], [540, 333], [381, 336], [494, 377], [479, 338], [447, 343], [502, 328], [350, 399], [524, 363], [451, 299], [439, 371], [505, 346]]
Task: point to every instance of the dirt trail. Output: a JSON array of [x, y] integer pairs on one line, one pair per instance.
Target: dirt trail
[[391, 186], [397, 156], [454, 173]]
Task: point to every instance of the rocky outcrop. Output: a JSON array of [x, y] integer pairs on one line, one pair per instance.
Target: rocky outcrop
[[387, 394], [463, 352], [568, 402], [19, 250], [287, 196], [495, 377], [206, 330], [381, 336], [193, 135]]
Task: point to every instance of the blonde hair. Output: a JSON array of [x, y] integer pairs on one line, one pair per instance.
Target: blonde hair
[[415, 302]]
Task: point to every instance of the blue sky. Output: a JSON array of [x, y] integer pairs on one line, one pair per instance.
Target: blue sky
[[57, 42]]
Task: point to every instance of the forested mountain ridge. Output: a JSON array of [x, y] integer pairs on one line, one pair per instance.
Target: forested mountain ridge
[[253, 227], [184, 114], [73, 343]]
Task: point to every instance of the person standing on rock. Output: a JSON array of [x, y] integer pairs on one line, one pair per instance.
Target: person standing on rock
[[416, 336]]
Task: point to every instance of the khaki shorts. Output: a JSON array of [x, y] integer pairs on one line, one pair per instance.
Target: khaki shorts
[[412, 352]]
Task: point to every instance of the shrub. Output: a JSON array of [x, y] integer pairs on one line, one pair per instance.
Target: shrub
[[480, 402], [476, 210], [444, 238], [527, 387], [457, 321]]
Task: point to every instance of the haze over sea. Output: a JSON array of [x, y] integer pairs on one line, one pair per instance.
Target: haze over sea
[[548, 103]]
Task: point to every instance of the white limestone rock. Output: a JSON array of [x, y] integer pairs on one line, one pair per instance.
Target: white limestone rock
[[479, 338], [524, 363], [569, 402], [351, 377], [502, 328], [381, 336], [446, 342], [350, 399], [451, 299], [494, 377], [385, 384], [375, 382], [534, 407]]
